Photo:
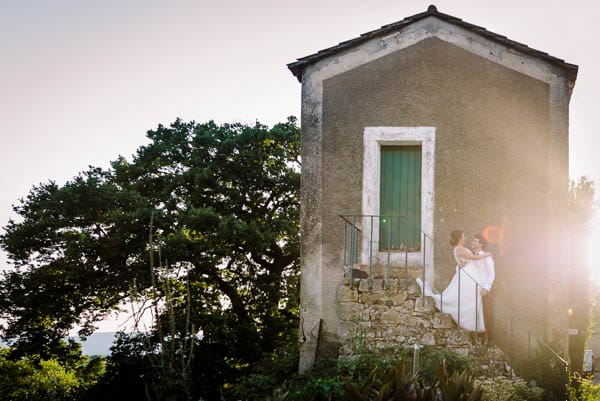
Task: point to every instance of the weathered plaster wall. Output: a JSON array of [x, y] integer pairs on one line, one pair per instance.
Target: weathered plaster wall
[[501, 131], [490, 161]]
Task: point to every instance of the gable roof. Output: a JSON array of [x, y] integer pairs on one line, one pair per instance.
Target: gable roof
[[298, 66]]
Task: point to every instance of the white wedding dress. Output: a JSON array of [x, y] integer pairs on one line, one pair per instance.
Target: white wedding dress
[[462, 297]]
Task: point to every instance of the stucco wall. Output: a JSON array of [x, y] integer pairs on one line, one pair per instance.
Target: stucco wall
[[490, 162]]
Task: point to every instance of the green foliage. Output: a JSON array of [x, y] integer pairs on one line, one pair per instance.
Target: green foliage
[[458, 386], [322, 389], [546, 371], [170, 350], [581, 201], [30, 378], [380, 375], [398, 383], [390, 379], [128, 371], [502, 389], [322, 382], [225, 201], [362, 364], [267, 375], [431, 359], [586, 391], [581, 210], [52, 381], [91, 372]]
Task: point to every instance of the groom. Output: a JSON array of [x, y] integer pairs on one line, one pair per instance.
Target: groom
[[487, 275]]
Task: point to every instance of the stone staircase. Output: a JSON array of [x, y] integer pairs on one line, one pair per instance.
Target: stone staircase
[[373, 315]]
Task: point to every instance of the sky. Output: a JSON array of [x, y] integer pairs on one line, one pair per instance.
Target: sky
[[82, 81]]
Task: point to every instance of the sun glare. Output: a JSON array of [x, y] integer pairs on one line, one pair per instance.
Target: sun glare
[[593, 246]]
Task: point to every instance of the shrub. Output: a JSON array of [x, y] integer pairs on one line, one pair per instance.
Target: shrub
[[43, 379], [502, 389], [267, 375], [548, 372], [585, 390], [386, 374]]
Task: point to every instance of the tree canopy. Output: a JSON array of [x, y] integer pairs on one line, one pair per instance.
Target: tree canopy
[[223, 202]]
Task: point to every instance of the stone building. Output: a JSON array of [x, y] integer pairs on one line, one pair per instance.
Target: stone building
[[418, 128]]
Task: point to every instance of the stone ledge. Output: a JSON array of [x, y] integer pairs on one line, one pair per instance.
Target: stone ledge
[[443, 321], [424, 305]]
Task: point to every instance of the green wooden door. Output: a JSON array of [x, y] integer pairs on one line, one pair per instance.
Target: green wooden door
[[400, 197]]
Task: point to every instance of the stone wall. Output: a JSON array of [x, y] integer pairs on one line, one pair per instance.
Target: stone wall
[[378, 318], [375, 315]]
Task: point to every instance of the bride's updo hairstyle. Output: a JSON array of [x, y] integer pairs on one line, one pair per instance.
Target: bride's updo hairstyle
[[455, 237]]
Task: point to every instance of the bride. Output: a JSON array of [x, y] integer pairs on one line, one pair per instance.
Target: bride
[[462, 297]]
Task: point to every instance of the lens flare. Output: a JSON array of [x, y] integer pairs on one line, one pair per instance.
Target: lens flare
[[497, 235], [492, 234]]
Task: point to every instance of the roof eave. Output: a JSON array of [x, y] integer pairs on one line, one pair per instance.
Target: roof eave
[[297, 67]]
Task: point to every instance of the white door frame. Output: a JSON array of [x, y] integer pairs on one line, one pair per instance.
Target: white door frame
[[373, 139]]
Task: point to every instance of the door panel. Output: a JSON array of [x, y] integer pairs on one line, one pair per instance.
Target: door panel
[[400, 198]]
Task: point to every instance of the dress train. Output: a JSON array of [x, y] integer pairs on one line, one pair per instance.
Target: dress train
[[461, 298]]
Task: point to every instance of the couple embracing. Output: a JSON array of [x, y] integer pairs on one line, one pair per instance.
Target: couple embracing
[[466, 296]]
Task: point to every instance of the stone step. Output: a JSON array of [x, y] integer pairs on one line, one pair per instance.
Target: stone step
[[375, 290], [361, 270], [424, 305], [443, 321], [375, 315]]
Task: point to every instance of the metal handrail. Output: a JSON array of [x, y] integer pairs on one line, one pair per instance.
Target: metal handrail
[[349, 222], [549, 348], [538, 339], [359, 229], [343, 216], [355, 233], [478, 286]]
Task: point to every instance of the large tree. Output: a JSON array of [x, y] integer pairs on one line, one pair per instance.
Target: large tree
[[218, 202]]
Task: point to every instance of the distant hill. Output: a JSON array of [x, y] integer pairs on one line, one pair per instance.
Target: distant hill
[[97, 343]]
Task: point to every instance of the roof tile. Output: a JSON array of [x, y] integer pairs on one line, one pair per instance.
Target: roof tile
[[297, 67]]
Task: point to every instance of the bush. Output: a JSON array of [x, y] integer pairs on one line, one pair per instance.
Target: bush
[[267, 375], [502, 389], [45, 379], [583, 389], [322, 382], [547, 372], [359, 377]]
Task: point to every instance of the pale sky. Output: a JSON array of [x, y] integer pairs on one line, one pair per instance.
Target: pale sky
[[82, 81]]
